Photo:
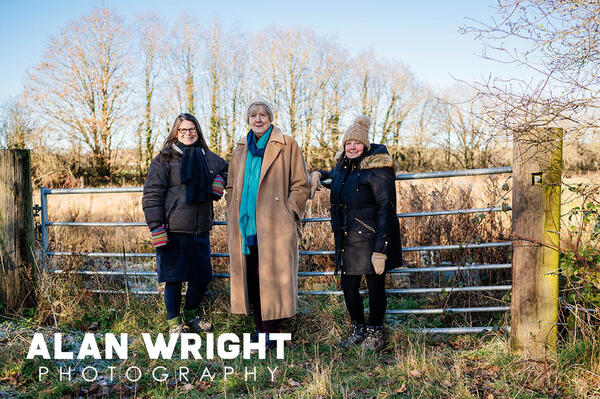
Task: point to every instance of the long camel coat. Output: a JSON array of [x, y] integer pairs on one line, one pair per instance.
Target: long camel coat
[[282, 194]]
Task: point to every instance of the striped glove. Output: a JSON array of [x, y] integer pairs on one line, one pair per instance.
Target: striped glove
[[159, 236], [218, 187]]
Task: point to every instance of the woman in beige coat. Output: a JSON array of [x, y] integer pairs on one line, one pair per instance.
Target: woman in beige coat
[[267, 190]]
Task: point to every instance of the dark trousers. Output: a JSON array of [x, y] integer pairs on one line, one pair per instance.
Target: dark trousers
[[377, 298], [253, 286], [193, 297]]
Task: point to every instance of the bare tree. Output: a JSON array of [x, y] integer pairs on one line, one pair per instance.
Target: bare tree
[[183, 63], [557, 44], [401, 96], [290, 57], [85, 81], [466, 137], [215, 63], [15, 124], [422, 131], [150, 43], [334, 98], [264, 76], [81, 87], [236, 84], [311, 85], [368, 86]]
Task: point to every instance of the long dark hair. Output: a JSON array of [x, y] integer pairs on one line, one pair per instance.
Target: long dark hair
[[172, 137]]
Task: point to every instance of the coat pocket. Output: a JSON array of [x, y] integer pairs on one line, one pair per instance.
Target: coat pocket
[[171, 209], [288, 211], [360, 230]]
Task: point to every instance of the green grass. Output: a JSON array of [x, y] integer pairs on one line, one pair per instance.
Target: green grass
[[411, 365]]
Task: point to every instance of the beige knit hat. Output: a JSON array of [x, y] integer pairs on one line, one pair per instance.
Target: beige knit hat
[[359, 131], [264, 103]]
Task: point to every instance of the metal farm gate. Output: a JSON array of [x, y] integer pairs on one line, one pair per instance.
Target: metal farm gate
[[46, 224]]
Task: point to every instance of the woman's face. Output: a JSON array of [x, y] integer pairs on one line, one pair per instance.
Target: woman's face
[[186, 133], [259, 120], [353, 148]]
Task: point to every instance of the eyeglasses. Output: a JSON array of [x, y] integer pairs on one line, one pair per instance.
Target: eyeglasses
[[191, 130]]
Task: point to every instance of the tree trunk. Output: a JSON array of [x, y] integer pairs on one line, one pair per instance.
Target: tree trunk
[[16, 231]]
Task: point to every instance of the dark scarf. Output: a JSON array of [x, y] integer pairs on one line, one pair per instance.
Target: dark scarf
[[194, 173], [253, 147]]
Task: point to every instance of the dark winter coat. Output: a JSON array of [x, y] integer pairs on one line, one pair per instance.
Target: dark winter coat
[[363, 211], [164, 200]]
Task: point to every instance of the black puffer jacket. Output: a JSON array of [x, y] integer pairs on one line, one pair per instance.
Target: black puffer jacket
[[164, 199], [363, 211]]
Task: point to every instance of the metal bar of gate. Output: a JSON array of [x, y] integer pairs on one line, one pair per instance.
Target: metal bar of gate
[[363, 292], [449, 310], [305, 220], [103, 190], [44, 224], [399, 176], [325, 252], [459, 330], [453, 173], [323, 273], [439, 330], [420, 290]]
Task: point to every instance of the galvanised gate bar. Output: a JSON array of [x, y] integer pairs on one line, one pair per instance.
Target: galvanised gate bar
[[45, 224]]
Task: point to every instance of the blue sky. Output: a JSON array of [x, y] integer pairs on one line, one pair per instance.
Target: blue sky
[[421, 34]]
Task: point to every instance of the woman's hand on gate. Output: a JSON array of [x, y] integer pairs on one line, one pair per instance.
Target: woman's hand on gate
[[315, 183]]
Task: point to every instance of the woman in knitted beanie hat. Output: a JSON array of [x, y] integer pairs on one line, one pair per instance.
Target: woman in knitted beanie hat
[[365, 228], [358, 131], [267, 191]]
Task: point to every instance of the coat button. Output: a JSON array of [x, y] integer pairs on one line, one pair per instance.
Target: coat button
[[276, 198]]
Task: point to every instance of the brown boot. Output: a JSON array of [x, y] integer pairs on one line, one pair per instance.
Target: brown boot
[[176, 326], [199, 324]]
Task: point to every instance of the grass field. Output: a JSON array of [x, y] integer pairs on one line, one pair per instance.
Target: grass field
[[411, 365]]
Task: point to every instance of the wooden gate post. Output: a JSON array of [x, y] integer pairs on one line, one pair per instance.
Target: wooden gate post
[[537, 169], [17, 274]]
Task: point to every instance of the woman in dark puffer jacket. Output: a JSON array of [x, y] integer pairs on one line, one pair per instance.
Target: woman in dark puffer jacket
[[365, 227], [183, 180]]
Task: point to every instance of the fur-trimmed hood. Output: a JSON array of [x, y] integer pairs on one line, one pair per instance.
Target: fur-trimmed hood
[[378, 157]]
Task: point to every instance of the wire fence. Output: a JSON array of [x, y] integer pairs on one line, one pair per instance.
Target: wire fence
[[46, 224]]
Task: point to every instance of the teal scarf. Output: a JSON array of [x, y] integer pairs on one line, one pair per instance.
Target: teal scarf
[[250, 189]]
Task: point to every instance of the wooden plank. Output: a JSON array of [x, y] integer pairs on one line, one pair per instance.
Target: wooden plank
[[537, 168], [16, 231]]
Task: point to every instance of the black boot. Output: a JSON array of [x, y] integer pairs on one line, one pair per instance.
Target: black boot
[[356, 336], [374, 340]]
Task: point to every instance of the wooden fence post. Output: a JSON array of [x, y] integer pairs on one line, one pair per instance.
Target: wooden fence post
[[17, 274], [537, 169]]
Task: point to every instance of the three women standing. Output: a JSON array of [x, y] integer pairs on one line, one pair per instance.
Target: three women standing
[[365, 228], [267, 191], [183, 180]]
